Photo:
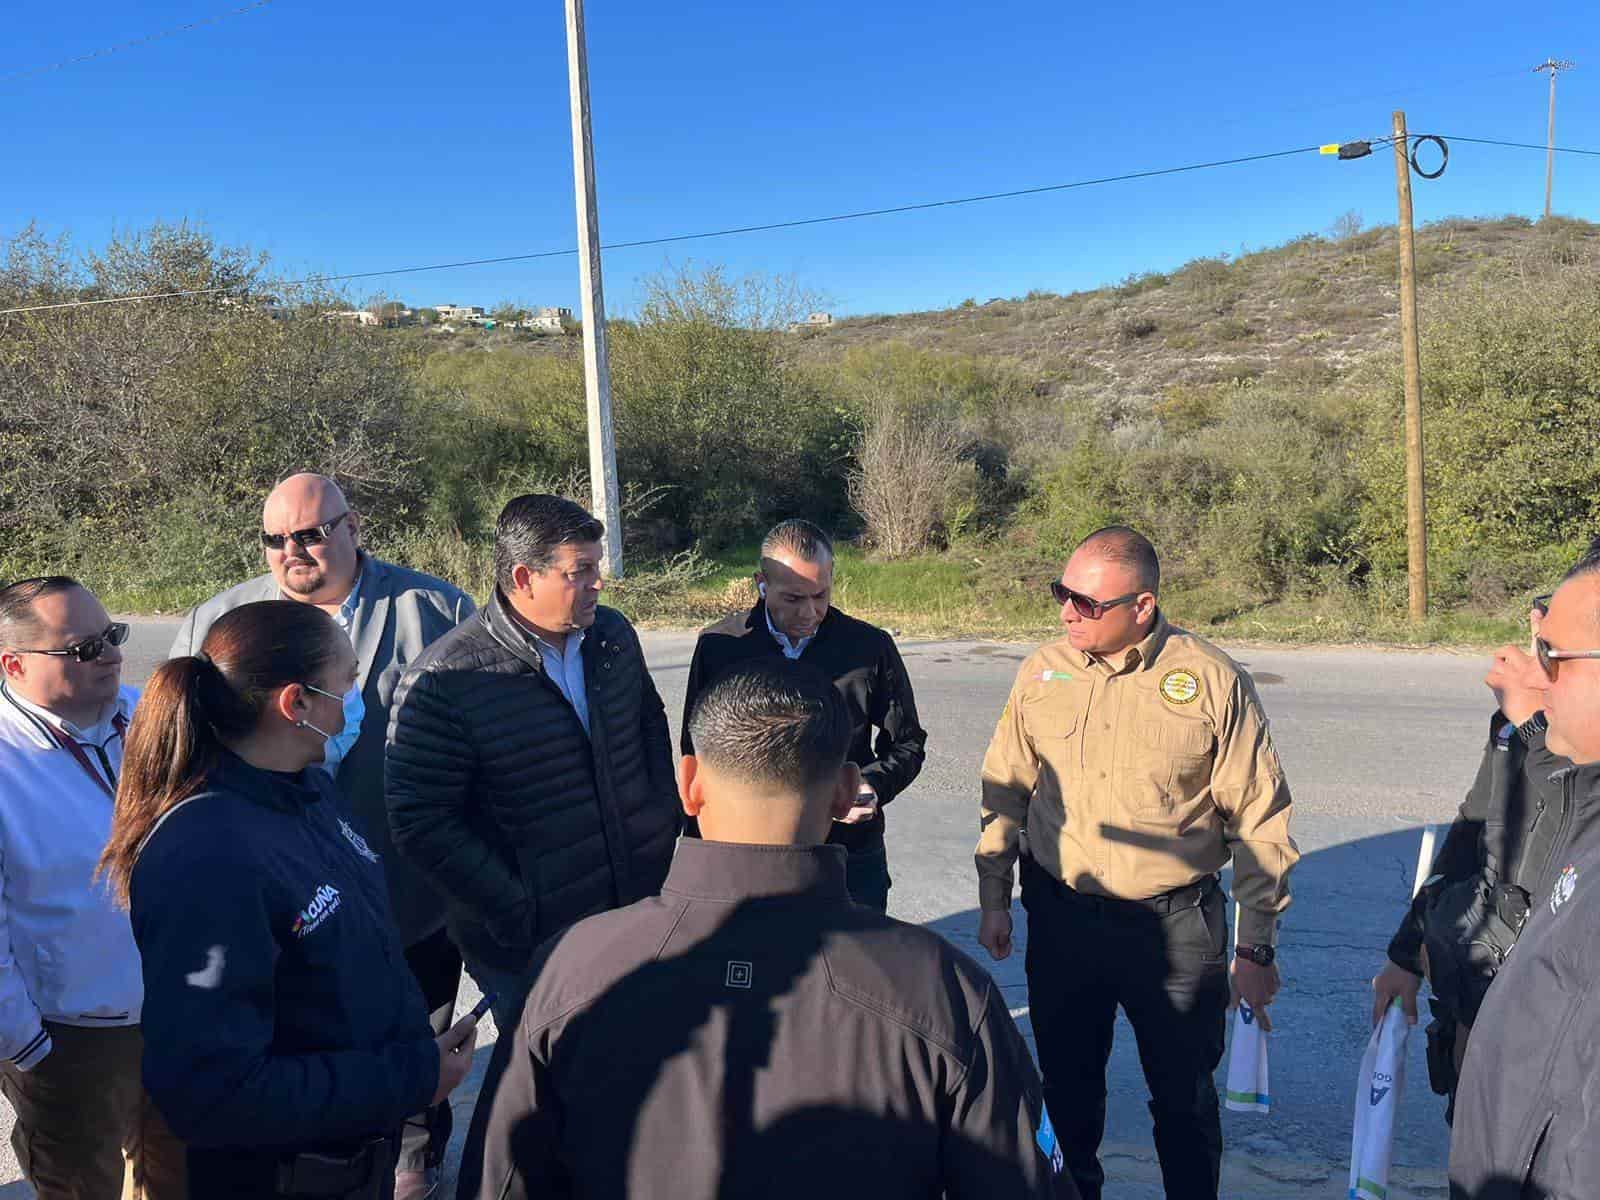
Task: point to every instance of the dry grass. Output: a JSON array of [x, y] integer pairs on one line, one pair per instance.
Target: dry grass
[[1302, 312]]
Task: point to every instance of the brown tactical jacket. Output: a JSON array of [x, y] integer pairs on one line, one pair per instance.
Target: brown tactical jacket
[[1135, 778], [751, 1032]]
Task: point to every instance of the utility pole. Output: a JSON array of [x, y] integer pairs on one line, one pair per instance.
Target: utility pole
[[596, 360], [1416, 512], [1555, 66]]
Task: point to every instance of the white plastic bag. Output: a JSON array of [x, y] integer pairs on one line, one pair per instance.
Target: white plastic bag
[[1383, 1077], [1247, 1089]]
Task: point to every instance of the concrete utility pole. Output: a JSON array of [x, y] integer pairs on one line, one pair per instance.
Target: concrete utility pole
[[1416, 511], [596, 359], [1555, 67]]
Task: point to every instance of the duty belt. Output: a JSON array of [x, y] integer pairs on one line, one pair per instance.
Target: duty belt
[[1190, 895]]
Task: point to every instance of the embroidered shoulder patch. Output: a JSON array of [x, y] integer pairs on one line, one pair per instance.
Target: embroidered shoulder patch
[[1180, 687]]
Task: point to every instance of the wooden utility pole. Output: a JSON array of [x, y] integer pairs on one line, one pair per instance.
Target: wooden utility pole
[[1416, 511], [596, 360], [1555, 67]]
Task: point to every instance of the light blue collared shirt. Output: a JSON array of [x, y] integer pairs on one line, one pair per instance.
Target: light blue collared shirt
[[345, 618], [565, 669], [790, 649]]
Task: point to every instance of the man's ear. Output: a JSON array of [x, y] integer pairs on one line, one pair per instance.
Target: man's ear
[[354, 522], [521, 577], [689, 785], [845, 790], [11, 664]]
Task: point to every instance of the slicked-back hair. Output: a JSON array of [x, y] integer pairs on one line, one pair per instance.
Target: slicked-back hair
[[17, 619], [806, 541], [1128, 547], [531, 527], [773, 721]]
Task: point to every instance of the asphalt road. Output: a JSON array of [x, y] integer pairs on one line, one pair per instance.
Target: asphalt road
[[1375, 745]]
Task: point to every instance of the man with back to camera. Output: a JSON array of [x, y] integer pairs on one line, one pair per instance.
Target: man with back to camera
[[751, 1031], [795, 619], [1526, 1104], [71, 987], [1137, 759], [312, 541]]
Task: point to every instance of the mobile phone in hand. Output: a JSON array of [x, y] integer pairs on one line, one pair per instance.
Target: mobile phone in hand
[[482, 1006]]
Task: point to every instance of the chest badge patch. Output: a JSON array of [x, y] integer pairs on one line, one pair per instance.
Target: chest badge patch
[[1566, 884], [1048, 676], [1180, 687]]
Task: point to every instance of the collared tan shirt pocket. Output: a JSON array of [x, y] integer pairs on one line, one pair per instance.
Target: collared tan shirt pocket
[[1054, 725], [1169, 763]]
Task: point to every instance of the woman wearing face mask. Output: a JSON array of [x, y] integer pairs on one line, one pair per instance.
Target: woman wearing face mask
[[285, 1039]]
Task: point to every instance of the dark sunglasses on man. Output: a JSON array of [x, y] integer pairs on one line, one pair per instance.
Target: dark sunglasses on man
[[1541, 604], [90, 648], [1550, 658], [313, 536], [1087, 607]]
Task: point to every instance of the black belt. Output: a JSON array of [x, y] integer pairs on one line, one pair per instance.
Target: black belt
[[1190, 895]]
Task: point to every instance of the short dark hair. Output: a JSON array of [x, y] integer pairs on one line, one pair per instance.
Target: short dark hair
[[806, 541], [775, 721], [531, 527], [17, 600], [1127, 546]]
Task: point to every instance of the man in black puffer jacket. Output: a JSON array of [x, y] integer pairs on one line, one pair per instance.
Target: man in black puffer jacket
[[529, 774]]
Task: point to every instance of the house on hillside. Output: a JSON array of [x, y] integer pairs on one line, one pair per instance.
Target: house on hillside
[[458, 312], [816, 320], [356, 316], [549, 320]]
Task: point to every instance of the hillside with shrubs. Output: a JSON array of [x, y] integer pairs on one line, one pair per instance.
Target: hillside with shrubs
[[1243, 410]]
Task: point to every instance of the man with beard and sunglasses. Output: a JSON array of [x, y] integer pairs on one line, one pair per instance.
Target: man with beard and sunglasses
[[1131, 762], [312, 541], [71, 992]]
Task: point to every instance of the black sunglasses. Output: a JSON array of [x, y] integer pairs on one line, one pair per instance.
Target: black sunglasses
[[314, 536], [90, 648], [1542, 603], [1549, 657], [1086, 607]]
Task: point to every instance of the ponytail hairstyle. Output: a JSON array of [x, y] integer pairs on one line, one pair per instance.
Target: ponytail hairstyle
[[195, 705]]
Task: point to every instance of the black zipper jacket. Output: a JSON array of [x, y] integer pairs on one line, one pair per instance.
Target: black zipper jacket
[[1495, 855], [521, 820], [865, 666], [279, 1011], [1527, 1116]]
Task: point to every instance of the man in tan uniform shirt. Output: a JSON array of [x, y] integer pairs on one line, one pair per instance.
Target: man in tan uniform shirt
[[1131, 762]]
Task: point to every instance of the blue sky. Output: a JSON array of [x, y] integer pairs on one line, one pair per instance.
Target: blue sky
[[361, 136]]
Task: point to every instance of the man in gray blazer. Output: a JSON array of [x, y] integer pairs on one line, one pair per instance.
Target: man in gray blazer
[[312, 543]]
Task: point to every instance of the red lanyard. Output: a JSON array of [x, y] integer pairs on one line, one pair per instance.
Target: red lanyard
[[72, 747]]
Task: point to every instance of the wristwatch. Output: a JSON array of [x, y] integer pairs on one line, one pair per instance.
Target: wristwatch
[[1262, 956]]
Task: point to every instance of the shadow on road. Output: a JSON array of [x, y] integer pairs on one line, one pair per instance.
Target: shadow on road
[[1348, 900]]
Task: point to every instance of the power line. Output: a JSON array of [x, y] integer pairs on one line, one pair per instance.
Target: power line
[[732, 231], [29, 72], [688, 237], [1519, 145]]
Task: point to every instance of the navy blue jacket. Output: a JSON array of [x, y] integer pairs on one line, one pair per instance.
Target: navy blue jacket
[[278, 1009]]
